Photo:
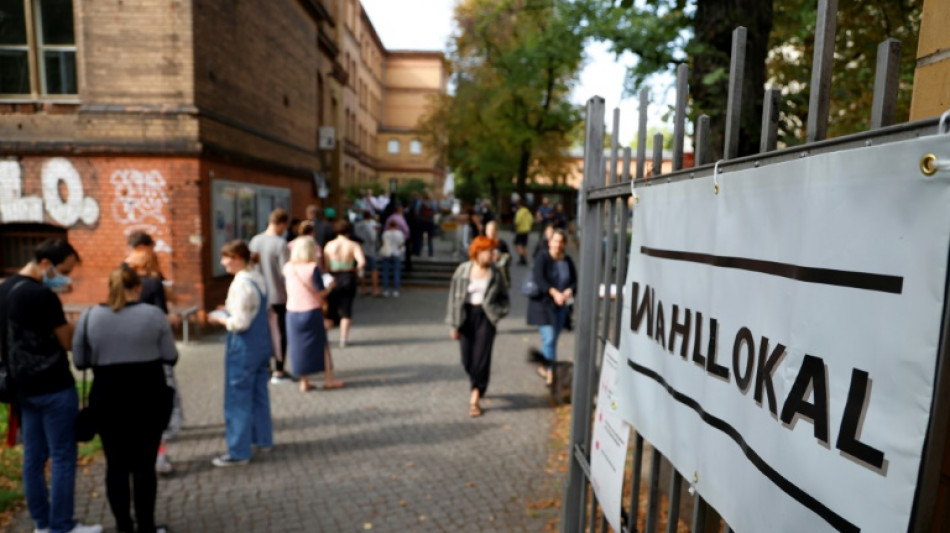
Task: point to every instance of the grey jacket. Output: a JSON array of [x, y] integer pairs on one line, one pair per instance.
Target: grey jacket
[[496, 303]]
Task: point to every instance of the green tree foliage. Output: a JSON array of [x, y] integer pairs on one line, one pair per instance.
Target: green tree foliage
[[665, 33], [513, 63], [861, 27]]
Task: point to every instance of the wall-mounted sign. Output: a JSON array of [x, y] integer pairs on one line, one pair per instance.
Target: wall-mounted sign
[[327, 138]]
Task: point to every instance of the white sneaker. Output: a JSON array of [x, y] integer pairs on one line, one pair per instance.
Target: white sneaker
[[395, 294], [79, 528], [385, 294], [342, 343], [163, 465], [278, 379]]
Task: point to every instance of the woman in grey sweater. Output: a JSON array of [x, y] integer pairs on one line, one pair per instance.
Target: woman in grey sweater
[[126, 343], [478, 298]]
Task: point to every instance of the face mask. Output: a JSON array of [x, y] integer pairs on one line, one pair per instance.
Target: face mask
[[57, 282]]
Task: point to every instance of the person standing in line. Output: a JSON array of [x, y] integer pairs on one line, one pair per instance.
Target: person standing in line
[[545, 212], [478, 298], [34, 337], [391, 252], [425, 217], [248, 348], [399, 218], [271, 247], [556, 277], [322, 230], [127, 344], [306, 334], [145, 263], [346, 262], [367, 230], [559, 217], [501, 256], [523, 223], [542, 244]]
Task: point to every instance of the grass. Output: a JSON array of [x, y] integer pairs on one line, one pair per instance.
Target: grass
[[11, 460]]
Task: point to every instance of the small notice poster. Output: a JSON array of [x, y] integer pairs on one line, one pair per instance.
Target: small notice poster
[[611, 434]]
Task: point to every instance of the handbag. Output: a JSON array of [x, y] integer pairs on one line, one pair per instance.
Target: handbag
[[86, 425], [529, 287], [7, 385]]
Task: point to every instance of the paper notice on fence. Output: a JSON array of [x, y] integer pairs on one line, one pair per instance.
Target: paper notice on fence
[[611, 434], [780, 337]]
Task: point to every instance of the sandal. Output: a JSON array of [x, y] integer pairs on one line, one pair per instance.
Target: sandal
[[307, 388], [333, 385], [542, 372], [474, 410]]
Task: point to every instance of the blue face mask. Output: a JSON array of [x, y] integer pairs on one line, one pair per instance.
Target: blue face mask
[[58, 282]]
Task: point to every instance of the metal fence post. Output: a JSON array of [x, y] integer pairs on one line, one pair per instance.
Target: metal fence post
[[572, 515]]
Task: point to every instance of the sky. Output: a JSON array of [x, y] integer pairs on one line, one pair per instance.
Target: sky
[[603, 75]]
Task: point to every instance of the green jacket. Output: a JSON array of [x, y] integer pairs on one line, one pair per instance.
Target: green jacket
[[496, 303]]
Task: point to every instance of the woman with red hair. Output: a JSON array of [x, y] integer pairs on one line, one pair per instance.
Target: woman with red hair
[[478, 298]]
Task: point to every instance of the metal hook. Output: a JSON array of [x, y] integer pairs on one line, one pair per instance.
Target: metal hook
[[716, 177], [944, 125]]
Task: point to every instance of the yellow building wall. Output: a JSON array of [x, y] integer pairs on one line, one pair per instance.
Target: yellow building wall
[[932, 78]]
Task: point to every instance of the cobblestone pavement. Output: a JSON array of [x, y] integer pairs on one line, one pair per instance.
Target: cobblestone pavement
[[394, 450]]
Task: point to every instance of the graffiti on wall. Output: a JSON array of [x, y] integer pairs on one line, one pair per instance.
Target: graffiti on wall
[[56, 175], [139, 203]]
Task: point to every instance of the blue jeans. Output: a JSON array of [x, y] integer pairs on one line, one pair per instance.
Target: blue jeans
[[549, 335], [392, 265], [49, 433], [247, 403]]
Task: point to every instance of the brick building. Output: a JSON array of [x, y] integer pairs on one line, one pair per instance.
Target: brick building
[[190, 120]]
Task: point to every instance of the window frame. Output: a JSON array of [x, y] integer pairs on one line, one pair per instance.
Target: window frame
[[32, 14], [390, 144], [415, 147]]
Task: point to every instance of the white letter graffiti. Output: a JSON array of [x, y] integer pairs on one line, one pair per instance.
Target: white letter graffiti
[[66, 212], [140, 195], [75, 207]]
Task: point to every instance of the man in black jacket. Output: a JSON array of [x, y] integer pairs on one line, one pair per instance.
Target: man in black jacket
[[35, 336]]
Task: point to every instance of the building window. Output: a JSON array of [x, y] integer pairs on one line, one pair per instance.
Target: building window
[[415, 147], [17, 242], [49, 49], [394, 146]]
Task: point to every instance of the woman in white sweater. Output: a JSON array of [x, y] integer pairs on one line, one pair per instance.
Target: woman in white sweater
[[247, 417]]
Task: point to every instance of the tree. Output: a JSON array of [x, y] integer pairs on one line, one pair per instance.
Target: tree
[[665, 33], [513, 63]]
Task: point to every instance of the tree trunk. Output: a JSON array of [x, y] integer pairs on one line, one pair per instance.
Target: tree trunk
[[714, 23], [524, 163]]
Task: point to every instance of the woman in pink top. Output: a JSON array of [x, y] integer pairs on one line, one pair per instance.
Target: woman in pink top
[[306, 335]]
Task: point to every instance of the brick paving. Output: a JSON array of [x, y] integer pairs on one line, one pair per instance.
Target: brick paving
[[394, 450]]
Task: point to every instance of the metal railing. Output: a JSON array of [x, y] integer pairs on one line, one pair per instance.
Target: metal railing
[[606, 228]]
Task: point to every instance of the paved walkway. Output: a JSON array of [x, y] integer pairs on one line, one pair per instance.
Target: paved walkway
[[394, 450]]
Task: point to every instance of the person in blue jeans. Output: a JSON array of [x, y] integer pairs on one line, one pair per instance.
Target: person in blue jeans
[[247, 416], [556, 277], [35, 355], [390, 252]]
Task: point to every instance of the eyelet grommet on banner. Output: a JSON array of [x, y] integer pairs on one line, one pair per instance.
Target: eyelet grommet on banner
[[928, 164]]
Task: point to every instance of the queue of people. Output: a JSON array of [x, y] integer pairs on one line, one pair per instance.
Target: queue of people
[[282, 300]]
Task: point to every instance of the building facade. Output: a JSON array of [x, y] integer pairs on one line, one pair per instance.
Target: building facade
[[190, 120]]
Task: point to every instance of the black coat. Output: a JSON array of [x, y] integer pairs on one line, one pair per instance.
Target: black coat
[[542, 310]]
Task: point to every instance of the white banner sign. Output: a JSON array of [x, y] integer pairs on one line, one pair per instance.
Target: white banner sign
[[780, 337], [611, 434]]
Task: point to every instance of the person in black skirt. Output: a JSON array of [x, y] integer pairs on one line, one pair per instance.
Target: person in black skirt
[[478, 298]]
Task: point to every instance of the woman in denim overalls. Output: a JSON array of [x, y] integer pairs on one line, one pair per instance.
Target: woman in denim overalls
[[247, 418]]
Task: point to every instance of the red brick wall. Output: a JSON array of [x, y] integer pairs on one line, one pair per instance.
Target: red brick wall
[[156, 194], [167, 196]]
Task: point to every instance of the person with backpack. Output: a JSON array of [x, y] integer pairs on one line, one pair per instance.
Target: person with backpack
[[34, 336], [127, 343]]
